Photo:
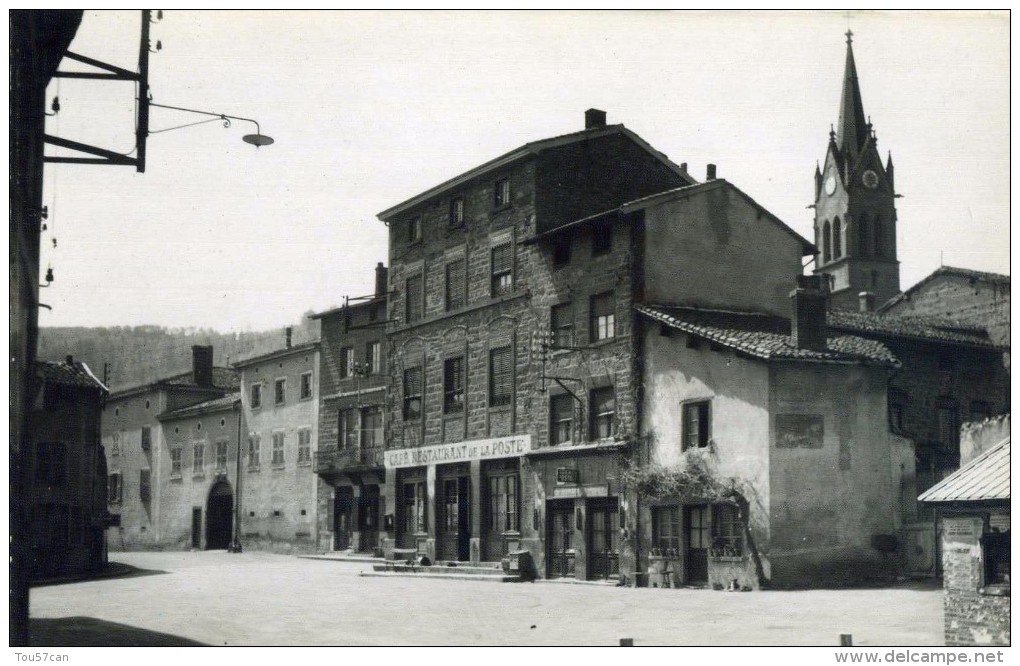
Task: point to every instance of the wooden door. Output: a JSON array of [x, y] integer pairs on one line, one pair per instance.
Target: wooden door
[[698, 538], [342, 505], [560, 531], [196, 527], [603, 548], [449, 519], [502, 501], [368, 518]]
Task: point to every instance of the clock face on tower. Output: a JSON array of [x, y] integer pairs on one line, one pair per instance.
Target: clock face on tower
[[870, 179], [830, 184]]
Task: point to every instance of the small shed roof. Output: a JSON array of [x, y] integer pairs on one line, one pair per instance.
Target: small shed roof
[[986, 478]]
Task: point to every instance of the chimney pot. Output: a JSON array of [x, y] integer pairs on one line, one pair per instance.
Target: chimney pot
[[867, 301], [807, 326], [594, 119], [290, 336], [201, 365], [69, 360], [710, 172]]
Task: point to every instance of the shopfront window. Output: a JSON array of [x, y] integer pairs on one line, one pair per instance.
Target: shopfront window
[[504, 503]]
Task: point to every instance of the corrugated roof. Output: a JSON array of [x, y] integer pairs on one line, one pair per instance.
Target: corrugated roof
[[765, 336], [73, 374], [916, 327], [217, 404], [986, 478]]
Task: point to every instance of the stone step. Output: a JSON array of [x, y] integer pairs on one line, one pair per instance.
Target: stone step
[[425, 573], [439, 569]]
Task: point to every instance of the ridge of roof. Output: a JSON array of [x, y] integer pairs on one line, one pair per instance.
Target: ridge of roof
[[970, 274], [223, 379], [277, 353], [528, 149], [76, 373], [766, 337], [374, 300]]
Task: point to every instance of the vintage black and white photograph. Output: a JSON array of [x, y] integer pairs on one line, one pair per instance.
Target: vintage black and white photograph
[[629, 328]]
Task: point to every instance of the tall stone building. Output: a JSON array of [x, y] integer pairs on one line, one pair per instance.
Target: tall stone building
[[855, 211]]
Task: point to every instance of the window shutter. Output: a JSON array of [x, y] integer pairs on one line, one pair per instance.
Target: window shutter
[[500, 376], [455, 284], [413, 306], [502, 258]]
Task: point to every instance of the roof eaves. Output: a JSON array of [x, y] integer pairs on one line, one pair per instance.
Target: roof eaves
[[278, 353]]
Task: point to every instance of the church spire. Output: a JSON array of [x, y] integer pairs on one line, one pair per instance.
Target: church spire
[[853, 129]]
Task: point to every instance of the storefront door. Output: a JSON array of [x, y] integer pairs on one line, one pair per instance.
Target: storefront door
[[698, 537], [342, 504], [603, 548], [503, 513], [412, 517], [560, 532], [455, 520], [368, 518]]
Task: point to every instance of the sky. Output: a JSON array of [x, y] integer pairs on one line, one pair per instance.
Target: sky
[[370, 108]]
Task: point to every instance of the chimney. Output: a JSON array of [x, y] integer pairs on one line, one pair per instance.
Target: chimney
[[807, 327], [867, 301], [594, 119], [69, 360], [710, 172], [381, 280], [683, 167], [201, 364], [290, 336]]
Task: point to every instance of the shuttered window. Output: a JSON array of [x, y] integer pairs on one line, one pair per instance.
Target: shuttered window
[[412, 394], [347, 428], [453, 385], [413, 296], [455, 284], [371, 427], [500, 376], [696, 433], [502, 269]]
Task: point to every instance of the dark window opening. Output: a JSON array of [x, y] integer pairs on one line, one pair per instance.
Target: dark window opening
[[502, 193], [602, 239], [561, 253], [561, 419], [456, 212], [602, 317], [413, 297], [414, 230], [603, 412], [562, 324], [371, 427], [502, 269]]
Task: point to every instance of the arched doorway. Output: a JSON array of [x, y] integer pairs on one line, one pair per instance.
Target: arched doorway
[[219, 516]]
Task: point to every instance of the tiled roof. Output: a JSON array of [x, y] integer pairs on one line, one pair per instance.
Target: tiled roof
[[986, 478], [765, 336], [73, 374], [932, 329], [966, 273], [222, 378], [215, 405]]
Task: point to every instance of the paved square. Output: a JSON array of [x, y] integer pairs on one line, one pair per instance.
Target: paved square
[[216, 598]]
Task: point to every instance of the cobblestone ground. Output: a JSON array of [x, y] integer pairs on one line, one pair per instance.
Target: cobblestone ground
[[216, 598]]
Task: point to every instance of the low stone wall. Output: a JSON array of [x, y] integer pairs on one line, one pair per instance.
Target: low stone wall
[[972, 615]]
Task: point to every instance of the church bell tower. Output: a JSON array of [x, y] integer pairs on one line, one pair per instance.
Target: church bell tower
[[855, 211]]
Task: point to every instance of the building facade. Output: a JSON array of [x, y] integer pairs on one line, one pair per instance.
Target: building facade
[[353, 394], [138, 453], [473, 468], [200, 470], [280, 420], [67, 495]]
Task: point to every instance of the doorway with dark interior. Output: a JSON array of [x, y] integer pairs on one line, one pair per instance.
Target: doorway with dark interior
[[219, 518]]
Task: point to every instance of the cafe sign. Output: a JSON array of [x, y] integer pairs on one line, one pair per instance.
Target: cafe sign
[[477, 449]]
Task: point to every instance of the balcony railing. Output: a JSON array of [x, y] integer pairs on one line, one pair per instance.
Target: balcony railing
[[333, 459]]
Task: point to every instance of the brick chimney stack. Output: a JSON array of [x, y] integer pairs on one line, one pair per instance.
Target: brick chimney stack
[[381, 280], [807, 326], [594, 119], [290, 336], [710, 172], [201, 365], [867, 301]]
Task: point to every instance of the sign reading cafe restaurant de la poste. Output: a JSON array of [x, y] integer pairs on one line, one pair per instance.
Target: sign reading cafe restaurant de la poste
[[478, 449]]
